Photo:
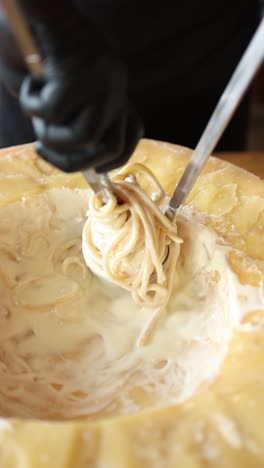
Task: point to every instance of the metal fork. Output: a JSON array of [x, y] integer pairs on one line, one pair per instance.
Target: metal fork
[[100, 183], [228, 103]]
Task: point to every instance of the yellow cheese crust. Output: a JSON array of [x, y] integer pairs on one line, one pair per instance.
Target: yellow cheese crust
[[222, 426]]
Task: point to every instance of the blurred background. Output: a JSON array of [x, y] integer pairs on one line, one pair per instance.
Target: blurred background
[[256, 128]]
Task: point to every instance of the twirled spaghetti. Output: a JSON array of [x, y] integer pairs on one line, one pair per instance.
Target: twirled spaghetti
[[133, 244]]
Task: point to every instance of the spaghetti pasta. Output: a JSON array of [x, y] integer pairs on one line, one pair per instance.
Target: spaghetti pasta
[[133, 244]]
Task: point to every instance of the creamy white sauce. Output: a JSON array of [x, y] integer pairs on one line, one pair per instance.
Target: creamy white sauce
[[5, 425], [68, 341]]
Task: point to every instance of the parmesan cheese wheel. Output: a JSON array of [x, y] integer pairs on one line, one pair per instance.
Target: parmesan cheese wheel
[[214, 418]]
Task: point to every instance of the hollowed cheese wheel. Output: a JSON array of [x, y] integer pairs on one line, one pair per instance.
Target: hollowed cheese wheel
[[221, 426]]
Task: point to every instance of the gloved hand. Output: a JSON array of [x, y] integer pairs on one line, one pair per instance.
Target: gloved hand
[[79, 108]]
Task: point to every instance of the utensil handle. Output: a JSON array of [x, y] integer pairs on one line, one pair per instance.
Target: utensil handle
[[24, 39]]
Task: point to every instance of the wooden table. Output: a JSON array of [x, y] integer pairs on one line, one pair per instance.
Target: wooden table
[[252, 161]]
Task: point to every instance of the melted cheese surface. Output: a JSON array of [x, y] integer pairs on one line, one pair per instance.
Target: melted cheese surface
[[69, 341]]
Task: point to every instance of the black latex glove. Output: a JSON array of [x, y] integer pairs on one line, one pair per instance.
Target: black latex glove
[[79, 108]]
